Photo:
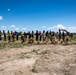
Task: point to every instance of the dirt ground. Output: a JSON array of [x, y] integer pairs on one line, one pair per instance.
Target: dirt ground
[[38, 60]]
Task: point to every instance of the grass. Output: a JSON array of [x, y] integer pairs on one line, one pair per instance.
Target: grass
[[2, 45], [12, 45], [73, 40]]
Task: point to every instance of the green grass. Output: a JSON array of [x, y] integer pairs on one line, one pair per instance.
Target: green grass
[[74, 38], [12, 45], [2, 45]]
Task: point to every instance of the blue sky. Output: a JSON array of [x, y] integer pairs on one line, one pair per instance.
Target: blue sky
[[25, 15]]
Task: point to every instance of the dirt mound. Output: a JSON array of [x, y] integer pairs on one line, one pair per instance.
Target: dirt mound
[[39, 60], [57, 61]]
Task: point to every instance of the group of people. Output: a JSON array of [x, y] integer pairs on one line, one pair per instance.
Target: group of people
[[38, 36]]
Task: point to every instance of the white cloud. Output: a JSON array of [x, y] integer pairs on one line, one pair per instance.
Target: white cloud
[[43, 27], [3, 27], [55, 28], [71, 29], [1, 18], [13, 26], [51, 28], [60, 26], [8, 9], [16, 28], [23, 28]]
